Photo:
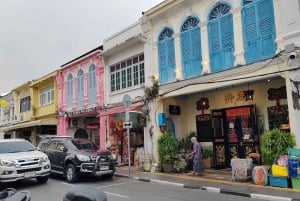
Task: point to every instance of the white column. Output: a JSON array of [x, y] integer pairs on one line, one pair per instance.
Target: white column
[[178, 57], [205, 48], [238, 36], [294, 111], [278, 25]]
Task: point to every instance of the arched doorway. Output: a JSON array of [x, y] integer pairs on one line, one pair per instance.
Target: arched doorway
[[81, 133]]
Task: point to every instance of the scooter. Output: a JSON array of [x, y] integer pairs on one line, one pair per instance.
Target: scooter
[[11, 194]]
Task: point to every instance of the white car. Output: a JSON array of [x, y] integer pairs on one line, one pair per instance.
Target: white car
[[20, 160]]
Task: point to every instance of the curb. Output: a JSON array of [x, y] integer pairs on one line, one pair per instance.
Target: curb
[[210, 189]]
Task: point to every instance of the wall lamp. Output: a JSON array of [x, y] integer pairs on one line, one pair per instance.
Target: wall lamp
[[248, 94]]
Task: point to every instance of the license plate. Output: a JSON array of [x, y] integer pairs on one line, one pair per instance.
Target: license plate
[[29, 174], [104, 167]]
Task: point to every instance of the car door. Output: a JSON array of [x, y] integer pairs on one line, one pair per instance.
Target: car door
[[50, 151], [60, 155]]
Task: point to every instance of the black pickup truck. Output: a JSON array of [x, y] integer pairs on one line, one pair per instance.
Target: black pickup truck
[[73, 157]]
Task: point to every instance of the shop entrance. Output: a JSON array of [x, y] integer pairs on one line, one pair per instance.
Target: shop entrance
[[234, 134]]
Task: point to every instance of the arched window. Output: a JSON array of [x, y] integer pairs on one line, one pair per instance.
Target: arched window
[[92, 84], [191, 48], [258, 29], [166, 56], [69, 90], [221, 41], [80, 88]]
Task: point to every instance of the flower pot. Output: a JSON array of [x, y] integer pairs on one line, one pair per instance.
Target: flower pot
[[207, 163]]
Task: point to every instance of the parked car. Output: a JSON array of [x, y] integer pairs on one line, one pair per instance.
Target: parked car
[[19, 160], [74, 157], [44, 139]]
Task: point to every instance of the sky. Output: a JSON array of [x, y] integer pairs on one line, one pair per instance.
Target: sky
[[38, 36]]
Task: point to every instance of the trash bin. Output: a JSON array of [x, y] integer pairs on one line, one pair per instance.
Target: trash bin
[[85, 193]]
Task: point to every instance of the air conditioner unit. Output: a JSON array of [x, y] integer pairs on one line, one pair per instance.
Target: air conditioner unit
[[74, 123]]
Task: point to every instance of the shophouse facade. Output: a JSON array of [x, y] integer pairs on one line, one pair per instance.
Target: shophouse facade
[[81, 98], [228, 71], [128, 73], [34, 109]]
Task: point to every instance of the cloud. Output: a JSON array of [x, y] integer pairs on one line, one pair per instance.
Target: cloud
[[37, 37]]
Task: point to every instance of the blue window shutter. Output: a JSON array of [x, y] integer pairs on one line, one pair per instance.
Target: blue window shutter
[[215, 46], [196, 51], [191, 52], [259, 31], [162, 55], [186, 53], [171, 59], [266, 27], [252, 45], [92, 86], [80, 89], [227, 41], [70, 92]]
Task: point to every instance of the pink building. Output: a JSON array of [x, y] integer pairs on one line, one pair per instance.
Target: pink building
[[81, 98]]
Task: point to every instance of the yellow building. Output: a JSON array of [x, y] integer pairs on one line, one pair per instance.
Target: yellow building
[[35, 108]]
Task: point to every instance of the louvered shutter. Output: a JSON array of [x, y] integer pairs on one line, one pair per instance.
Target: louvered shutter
[[215, 47], [227, 41], [162, 55], [196, 51], [171, 59]]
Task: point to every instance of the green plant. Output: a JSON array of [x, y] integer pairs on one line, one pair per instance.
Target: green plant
[[152, 92], [208, 153], [275, 143], [167, 147]]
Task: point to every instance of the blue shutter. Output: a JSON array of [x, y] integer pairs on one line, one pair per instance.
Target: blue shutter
[[186, 53], [92, 86], [171, 59], [259, 31], [80, 91], [215, 45], [70, 92], [252, 46], [191, 52], [227, 41], [162, 55], [266, 28], [196, 51]]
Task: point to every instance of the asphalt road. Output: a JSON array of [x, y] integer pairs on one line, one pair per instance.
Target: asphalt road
[[122, 189]]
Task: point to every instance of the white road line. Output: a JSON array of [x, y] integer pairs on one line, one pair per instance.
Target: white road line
[[118, 195], [113, 185], [67, 184]]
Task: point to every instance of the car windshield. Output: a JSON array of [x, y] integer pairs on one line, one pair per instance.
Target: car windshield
[[84, 144], [15, 147]]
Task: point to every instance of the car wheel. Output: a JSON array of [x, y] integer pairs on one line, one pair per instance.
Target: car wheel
[[71, 173], [42, 180]]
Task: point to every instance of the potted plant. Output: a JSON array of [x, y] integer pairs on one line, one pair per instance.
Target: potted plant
[[167, 147], [275, 143], [207, 157]]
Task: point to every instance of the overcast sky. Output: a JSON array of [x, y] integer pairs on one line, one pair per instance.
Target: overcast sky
[[38, 36]]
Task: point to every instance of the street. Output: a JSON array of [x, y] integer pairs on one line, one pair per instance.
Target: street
[[119, 189]]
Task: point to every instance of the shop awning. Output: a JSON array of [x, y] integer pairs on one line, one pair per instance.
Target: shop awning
[[42, 122]]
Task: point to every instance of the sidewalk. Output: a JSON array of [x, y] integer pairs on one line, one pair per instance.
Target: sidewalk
[[218, 181]]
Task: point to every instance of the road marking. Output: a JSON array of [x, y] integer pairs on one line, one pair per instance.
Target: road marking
[[68, 184], [115, 194], [114, 185]]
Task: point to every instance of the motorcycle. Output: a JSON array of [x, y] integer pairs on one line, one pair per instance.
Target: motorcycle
[[11, 194]]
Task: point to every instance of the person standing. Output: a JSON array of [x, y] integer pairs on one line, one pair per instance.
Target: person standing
[[197, 157]]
